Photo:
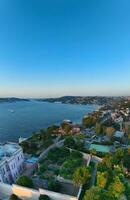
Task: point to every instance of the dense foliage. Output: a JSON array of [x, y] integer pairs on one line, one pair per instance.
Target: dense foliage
[[76, 142], [14, 197], [91, 120], [44, 197], [54, 185], [25, 181], [37, 142], [58, 155], [71, 164], [81, 175]]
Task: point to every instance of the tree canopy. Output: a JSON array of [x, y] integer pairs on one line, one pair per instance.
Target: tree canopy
[[25, 181], [92, 194], [102, 179], [44, 197], [116, 188], [14, 197], [81, 175], [70, 142]]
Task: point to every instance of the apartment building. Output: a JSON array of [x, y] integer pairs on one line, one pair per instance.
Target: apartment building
[[11, 162]]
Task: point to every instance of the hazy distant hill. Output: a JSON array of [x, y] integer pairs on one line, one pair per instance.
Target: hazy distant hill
[[11, 100], [81, 100]]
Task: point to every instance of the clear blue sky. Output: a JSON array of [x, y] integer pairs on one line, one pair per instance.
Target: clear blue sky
[[64, 47]]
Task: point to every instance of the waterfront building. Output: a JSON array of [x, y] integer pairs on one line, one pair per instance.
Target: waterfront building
[[11, 162]]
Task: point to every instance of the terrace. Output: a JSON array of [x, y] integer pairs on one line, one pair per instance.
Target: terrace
[[55, 172], [7, 150]]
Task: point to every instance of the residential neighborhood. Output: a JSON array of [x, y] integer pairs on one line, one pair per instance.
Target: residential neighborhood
[[49, 160]]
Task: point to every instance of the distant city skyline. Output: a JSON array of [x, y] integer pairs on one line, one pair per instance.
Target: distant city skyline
[[70, 47]]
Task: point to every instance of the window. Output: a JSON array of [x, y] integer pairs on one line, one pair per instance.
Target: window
[[3, 171]]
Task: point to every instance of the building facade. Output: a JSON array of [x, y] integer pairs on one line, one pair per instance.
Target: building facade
[[11, 162]]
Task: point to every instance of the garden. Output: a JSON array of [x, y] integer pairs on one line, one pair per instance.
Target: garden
[[35, 144], [60, 162]]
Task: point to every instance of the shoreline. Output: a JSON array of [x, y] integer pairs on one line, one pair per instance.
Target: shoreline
[[28, 121]]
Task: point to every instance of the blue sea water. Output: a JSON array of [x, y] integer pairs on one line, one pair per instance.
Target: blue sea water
[[22, 118]]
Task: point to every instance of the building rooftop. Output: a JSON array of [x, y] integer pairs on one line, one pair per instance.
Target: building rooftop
[[119, 134], [32, 160], [8, 149]]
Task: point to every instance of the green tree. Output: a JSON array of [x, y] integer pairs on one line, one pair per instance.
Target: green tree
[[44, 197], [71, 164], [42, 168], [116, 188], [53, 129], [70, 142], [93, 193], [98, 128], [81, 175], [108, 161], [118, 156], [88, 121], [58, 155], [102, 179], [110, 131], [25, 181], [93, 152], [14, 197], [127, 190], [105, 195], [76, 155], [54, 185], [44, 135], [66, 127], [126, 159]]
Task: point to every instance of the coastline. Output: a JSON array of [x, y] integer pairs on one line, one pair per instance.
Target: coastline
[[29, 117]]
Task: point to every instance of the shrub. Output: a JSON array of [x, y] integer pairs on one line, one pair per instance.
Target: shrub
[[14, 197], [58, 155], [69, 142], [54, 185], [75, 155], [42, 168], [44, 197], [69, 167], [81, 175], [25, 181]]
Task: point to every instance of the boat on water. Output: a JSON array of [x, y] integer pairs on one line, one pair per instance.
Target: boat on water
[[11, 110]]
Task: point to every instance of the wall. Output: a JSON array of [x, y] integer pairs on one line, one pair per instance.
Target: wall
[[62, 180], [96, 159], [25, 193], [57, 196], [5, 190], [11, 167], [4, 173], [30, 194], [80, 190], [45, 153], [86, 156]]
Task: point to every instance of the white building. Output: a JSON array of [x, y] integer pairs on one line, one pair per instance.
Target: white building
[[119, 135], [117, 119], [11, 162]]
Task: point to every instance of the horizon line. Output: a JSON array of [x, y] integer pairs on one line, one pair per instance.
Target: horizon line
[[21, 97]]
